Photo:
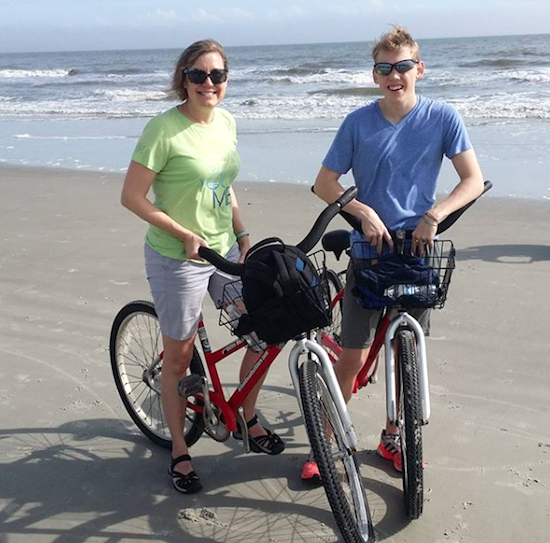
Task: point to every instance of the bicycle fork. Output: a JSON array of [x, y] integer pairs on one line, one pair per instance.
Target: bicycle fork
[[304, 346], [406, 320]]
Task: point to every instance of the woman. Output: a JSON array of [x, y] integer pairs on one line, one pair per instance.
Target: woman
[[188, 156]]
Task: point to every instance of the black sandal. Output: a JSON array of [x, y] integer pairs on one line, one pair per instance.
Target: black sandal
[[186, 484], [269, 443]]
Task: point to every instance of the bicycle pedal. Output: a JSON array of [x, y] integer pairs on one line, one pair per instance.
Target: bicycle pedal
[[191, 385]]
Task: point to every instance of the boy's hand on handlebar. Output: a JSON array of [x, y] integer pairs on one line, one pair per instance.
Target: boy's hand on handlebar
[[375, 230], [192, 244], [423, 235]]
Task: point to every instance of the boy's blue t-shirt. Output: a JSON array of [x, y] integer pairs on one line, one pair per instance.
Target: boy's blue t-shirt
[[395, 167]]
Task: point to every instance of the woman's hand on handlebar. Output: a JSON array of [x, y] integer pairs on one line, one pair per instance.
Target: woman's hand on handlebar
[[192, 244], [375, 230], [244, 247]]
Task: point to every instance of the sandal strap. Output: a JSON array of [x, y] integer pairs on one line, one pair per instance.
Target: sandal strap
[[185, 478], [252, 421], [267, 439], [188, 483], [182, 458]]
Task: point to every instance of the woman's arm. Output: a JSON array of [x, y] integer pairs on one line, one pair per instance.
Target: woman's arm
[[243, 237], [137, 183]]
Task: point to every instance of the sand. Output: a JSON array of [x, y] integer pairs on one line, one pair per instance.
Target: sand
[[73, 467]]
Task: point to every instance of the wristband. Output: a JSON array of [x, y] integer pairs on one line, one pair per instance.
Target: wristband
[[241, 234], [428, 214], [428, 222]]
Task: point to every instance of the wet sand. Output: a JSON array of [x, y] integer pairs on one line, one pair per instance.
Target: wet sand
[[73, 467]]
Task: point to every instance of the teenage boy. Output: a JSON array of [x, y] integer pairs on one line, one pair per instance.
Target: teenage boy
[[394, 147]]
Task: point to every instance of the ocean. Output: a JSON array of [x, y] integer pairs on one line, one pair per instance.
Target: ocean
[[85, 110]]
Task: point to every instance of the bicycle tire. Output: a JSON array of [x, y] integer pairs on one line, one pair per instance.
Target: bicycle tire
[[136, 343], [335, 458], [410, 425], [334, 330]]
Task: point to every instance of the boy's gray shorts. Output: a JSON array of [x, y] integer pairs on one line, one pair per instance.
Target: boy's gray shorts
[[359, 325], [179, 287]]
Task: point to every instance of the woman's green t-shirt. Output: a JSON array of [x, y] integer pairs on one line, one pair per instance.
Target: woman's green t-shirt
[[195, 166]]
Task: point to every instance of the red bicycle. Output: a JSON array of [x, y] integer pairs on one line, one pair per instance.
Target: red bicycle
[[407, 390], [136, 360]]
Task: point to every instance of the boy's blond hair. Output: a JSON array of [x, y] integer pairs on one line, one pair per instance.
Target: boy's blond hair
[[394, 40]]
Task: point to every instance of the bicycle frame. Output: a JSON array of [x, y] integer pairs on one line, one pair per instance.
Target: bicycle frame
[[216, 395], [385, 335], [304, 346], [404, 320], [232, 405]]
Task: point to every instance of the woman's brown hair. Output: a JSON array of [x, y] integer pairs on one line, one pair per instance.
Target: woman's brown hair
[[188, 58]]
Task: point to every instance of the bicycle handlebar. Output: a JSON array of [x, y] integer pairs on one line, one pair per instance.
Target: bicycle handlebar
[[445, 224], [314, 235]]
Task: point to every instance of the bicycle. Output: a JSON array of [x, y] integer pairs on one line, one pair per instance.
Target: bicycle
[[136, 361], [407, 388]]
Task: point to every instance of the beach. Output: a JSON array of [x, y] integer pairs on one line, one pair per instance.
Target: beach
[[74, 468]]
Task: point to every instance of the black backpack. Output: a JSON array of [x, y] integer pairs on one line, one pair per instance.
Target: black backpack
[[283, 292]]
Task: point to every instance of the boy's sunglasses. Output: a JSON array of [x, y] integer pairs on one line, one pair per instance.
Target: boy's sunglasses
[[198, 77], [385, 68]]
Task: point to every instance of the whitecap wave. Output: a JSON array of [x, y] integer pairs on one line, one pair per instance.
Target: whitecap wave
[[30, 74]]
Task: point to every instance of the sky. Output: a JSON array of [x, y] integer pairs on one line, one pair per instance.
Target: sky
[[73, 25]]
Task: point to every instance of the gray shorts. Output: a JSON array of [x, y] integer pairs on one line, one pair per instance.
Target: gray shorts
[[179, 287], [359, 324]]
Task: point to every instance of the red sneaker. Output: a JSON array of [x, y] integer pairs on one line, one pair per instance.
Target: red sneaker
[[310, 471], [390, 448]]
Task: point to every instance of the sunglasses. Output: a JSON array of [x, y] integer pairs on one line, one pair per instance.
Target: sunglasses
[[198, 77], [385, 68]]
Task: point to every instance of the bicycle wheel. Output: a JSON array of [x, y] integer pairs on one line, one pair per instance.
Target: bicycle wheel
[[335, 285], [330, 337], [334, 456], [136, 361], [410, 425]]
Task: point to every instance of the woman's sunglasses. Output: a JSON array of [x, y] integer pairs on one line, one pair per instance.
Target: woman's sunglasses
[[385, 68], [198, 77]]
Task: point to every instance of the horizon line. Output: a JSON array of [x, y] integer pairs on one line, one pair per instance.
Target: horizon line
[[262, 45]]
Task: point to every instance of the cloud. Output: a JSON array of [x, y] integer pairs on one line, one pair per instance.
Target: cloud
[[289, 13], [165, 14], [238, 15], [203, 16]]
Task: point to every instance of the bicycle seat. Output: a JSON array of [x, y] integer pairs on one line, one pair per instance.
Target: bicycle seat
[[336, 241]]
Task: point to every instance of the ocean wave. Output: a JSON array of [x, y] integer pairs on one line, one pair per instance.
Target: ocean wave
[[10, 73], [504, 108], [484, 77], [351, 91], [304, 69], [294, 76], [119, 71], [492, 63], [69, 138], [530, 77], [500, 107], [133, 95]]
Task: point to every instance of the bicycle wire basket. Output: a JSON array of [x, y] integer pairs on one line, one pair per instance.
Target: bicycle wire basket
[[403, 280], [280, 319]]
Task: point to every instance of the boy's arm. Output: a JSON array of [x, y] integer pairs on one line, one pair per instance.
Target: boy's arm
[[468, 189], [328, 188]]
